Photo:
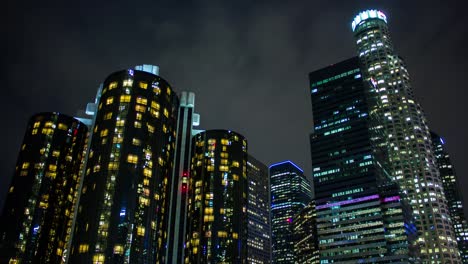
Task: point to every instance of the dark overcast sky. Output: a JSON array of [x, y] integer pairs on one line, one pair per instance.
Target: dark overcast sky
[[247, 62]]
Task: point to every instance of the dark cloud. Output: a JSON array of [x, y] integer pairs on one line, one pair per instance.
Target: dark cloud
[[247, 62]]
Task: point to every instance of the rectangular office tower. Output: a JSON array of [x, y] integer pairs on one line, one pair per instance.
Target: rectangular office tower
[[359, 213], [290, 193], [258, 212]]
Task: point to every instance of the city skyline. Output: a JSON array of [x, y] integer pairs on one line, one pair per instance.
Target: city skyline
[[274, 91]]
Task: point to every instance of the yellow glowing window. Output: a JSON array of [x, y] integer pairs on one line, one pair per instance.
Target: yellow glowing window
[[96, 168], [128, 82], [150, 128], [100, 106], [224, 141], [235, 177], [117, 140], [169, 90], [108, 116], [166, 113], [125, 98], [198, 184], [132, 159], [25, 165], [139, 116], [164, 128], [208, 218], [155, 105], [34, 131], [118, 249], [52, 167], [136, 142], [222, 234], [55, 153], [235, 235], [147, 172], [235, 164], [112, 85], [224, 162], [59, 252], [145, 181], [140, 231], [83, 248], [209, 210], [12, 188], [98, 259], [223, 168], [62, 126], [120, 123], [143, 85], [47, 131], [113, 166], [142, 100], [154, 113], [137, 124], [140, 108], [236, 138], [144, 201], [156, 90], [49, 124], [210, 168], [161, 161], [104, 132], [109, 100], [37, 124]]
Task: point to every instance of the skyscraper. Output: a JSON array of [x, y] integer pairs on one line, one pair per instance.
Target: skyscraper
[[122, 214], [305, 236], [400, 131], [38, 211], [359, 214], [217, 207], [453, 194], [258, 213], [181, 173], [290, 193]]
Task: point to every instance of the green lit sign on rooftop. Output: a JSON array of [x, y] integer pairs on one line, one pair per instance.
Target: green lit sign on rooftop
[[368, 14]]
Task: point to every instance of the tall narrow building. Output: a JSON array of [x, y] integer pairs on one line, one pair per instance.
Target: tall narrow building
[[400, 131], [290, 193], [360, 215], [453, 194], [305, 236], [38, 212], [258, 213], [178, 203], [217, 207], [123, 211]]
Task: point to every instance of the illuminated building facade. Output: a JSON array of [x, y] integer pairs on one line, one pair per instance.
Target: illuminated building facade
[[305, 236], [258, 213], [217, 207], [400, 131], [290, 193], [453, 195], [124, 203], [359, 214], [181, 173], [38, 211]]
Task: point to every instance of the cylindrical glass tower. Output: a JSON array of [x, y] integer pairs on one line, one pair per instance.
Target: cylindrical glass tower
[[38, 212], [217, 208], [122, 215], [401, 134]]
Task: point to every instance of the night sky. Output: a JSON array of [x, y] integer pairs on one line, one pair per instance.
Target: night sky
[[247, 62]]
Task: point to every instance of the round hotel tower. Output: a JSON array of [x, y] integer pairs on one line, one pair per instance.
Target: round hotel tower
[[401, 134], [38, 212], [217, 214], [122, 214]]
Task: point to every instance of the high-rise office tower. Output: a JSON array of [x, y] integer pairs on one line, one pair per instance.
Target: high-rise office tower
[[400, 131], [305, 236], [357, 221], [181, 173], [38, 211], [124, 203], [453, 194], [290, 193], [217, 207], [258, 213]]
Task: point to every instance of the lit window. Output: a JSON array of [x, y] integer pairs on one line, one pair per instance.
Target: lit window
[[37, 124], [83, 248], [166, 113], [62, 126], [147, 172], [118, 249], [128, 82], [169, 90], [154, 113], [235, 164], [104, 132], [125, 98], [120, 123], [113, 166], [25, 165], [139, 116], [155, 105], [137, 124], [112, 85], [140, 231], [52, 167], [98, 259], [108, 116], [136, 142], [55, 153], [109, 100], [142, 100], [132, 158], [224, 141], [150, 128], [140, 108], [143, 85], [223, 168], [222, 234]]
